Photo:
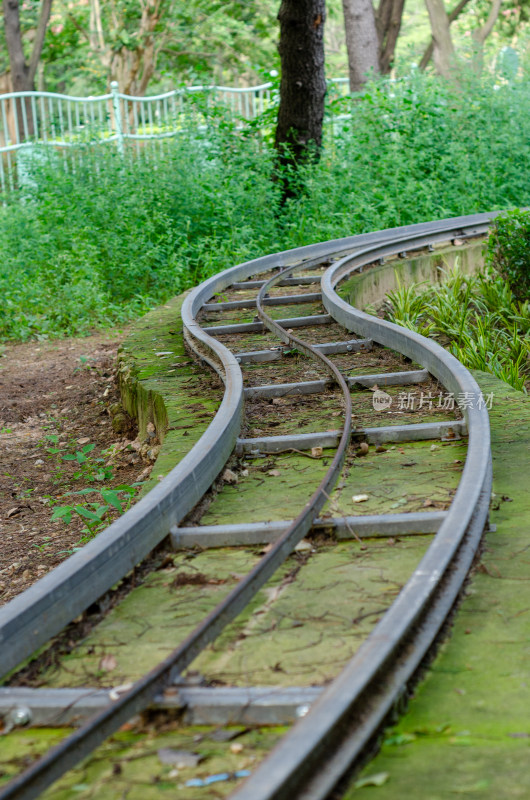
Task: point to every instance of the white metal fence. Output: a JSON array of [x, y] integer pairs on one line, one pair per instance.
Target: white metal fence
[[59, 122]]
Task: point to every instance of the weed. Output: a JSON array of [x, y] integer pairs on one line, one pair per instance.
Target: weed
[[119, 236], [477, 318]]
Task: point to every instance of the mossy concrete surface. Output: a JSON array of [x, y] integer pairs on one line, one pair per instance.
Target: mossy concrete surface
[[160, 383], [132, 764], [365, 288], [468, 728], [305, 626]]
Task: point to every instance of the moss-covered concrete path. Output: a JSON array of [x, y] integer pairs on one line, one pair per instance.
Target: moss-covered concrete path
[[467, 733]]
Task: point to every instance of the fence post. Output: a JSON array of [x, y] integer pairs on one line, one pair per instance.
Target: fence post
[[117, 115]]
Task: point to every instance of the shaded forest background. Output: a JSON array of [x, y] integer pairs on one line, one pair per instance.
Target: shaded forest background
[[150, 46]]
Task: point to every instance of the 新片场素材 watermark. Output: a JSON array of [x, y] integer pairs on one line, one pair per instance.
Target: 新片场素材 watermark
[[446, 401]]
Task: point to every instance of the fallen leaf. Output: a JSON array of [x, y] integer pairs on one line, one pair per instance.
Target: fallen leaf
[[236, 747], [226, 734], [84, 440], [13, 511], [178, 758], [379, 779], [108, 663], [274, 473]]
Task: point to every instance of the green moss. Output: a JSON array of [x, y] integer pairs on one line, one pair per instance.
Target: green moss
[[308, 625], [160, 383], [128, 765], [153, 619], [467, 730]]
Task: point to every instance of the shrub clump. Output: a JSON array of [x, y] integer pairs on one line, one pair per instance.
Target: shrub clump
[[509, 251]]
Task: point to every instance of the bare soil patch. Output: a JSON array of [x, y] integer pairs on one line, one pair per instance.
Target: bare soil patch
[[64, 389]]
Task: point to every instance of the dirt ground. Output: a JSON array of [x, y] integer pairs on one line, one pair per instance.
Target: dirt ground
[[65, 390]]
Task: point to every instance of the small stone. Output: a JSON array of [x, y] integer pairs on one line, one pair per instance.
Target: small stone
[[274, 473], [39, 462], [229, 476], [434, 447], [119, 423], [316, 452], [152, 454], [236, 747], [303, 546], [360, 498], [150, 429]]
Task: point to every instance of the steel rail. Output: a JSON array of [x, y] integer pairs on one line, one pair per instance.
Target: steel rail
[[315, 755], [134, 535], [33, 617], [84, 740]]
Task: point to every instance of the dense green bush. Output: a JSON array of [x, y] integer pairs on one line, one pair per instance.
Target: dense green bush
[[509, 250], [111, 237]]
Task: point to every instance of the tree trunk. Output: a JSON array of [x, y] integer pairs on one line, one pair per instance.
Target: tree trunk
[[481, 34], [444, 52], [388, 23], [362, 41], [23, 74], [453, 14], [303, 81]]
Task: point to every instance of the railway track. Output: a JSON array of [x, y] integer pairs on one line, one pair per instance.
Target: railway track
[[297, 328]]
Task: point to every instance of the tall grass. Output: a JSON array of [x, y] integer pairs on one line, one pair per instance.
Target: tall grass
[[104, 243], [477, 318]]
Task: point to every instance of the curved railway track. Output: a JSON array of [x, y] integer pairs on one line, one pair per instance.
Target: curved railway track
[[327, 742]]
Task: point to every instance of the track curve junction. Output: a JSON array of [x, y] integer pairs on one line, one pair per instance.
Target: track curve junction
[[329, 740]]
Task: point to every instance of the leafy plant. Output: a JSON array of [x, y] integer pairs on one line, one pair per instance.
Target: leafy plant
[[509, 251], [89, 467], [109, 237], [476, 317], [93, 513]]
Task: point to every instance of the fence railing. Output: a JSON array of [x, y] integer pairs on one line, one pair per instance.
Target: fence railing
[[57, 121]]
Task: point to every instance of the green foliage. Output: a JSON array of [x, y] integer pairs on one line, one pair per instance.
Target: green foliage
[[96, 507], [509, 251], [477, 318], [112, 237]]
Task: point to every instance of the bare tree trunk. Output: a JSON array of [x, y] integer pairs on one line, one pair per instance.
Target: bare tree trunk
[[388, 23], [362, 41], [22, 73], [303, 81], [481, 34], [453, 14], [6, 87], [444, 52]]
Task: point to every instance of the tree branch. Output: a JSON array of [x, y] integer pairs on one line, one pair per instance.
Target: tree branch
[[457, 10], [45, 10], [481, 34]]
